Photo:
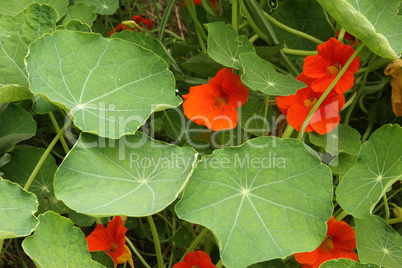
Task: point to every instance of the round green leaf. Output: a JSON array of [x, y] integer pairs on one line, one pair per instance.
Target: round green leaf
[[270, 196], [306, 17], [146, 41], [17, 207], [257, 118], [375, 22], [16, 124], [58, 243], [343, 138], [133, 176], [103, 7], [82, 12], [379, 166], [260, 75], [225, 46], [378, 243], [17, 33], [20, 168], [110, 86], [13, 7]]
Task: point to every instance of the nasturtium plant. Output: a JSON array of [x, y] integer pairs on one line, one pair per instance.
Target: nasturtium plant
[[196, 133]]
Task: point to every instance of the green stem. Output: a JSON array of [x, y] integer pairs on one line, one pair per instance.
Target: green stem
[[235, 7], [288, 132], [171, 124], [359, 94], [368, 131], [57, 128], [386, 207], [331, 86], [20, 257], [349, 101], [266, 106], [201, 35], [299, 52], [157, 244], [195, 242], [139, 256], [130, 12], [168, 32], [44, 156], [396, 220], [341, 35], [165, 18], [327, 18], [291, 30], [341, 215]]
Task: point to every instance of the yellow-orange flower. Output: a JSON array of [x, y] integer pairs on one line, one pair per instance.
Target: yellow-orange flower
[[214, 104]]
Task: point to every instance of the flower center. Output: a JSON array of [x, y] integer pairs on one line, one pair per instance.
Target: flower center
[[334, 69], [327, 245], [220, 103], [113, 247], [309, 103]]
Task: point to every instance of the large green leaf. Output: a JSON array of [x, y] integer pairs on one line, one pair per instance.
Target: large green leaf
[[260, 75], [58, 243], [378, 243], [17, 207], [110, 86], [266, 199], [379, 166], [16, 34], [343, 138], [13, 7], [257, 118], [133, 176], [16, 125], [225, 46], [375, 22], [103, 7]]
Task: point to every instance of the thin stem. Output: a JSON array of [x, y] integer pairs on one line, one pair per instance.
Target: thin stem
[[299, 52], [291, 30], [349, 101], [359, 93], [168, 32], [195, 242], [171, 124], [234, 14], [386, 207], [17, 247], [327, 18], [341, 35], [165, 18], [368, 131], [157, 244], [331, 86], [288, 132], [44, 156], [341, 215], [198, 27], [57, 128], [139, 256], [396, 220]]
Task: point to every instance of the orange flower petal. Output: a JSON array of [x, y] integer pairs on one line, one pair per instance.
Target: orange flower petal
[[214, 104]]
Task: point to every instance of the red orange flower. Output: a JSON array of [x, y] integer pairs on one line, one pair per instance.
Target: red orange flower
[[198, 259], [339, 243], [111, 240], [139, 20], [214, 104], [323, 68], [296, 108]]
